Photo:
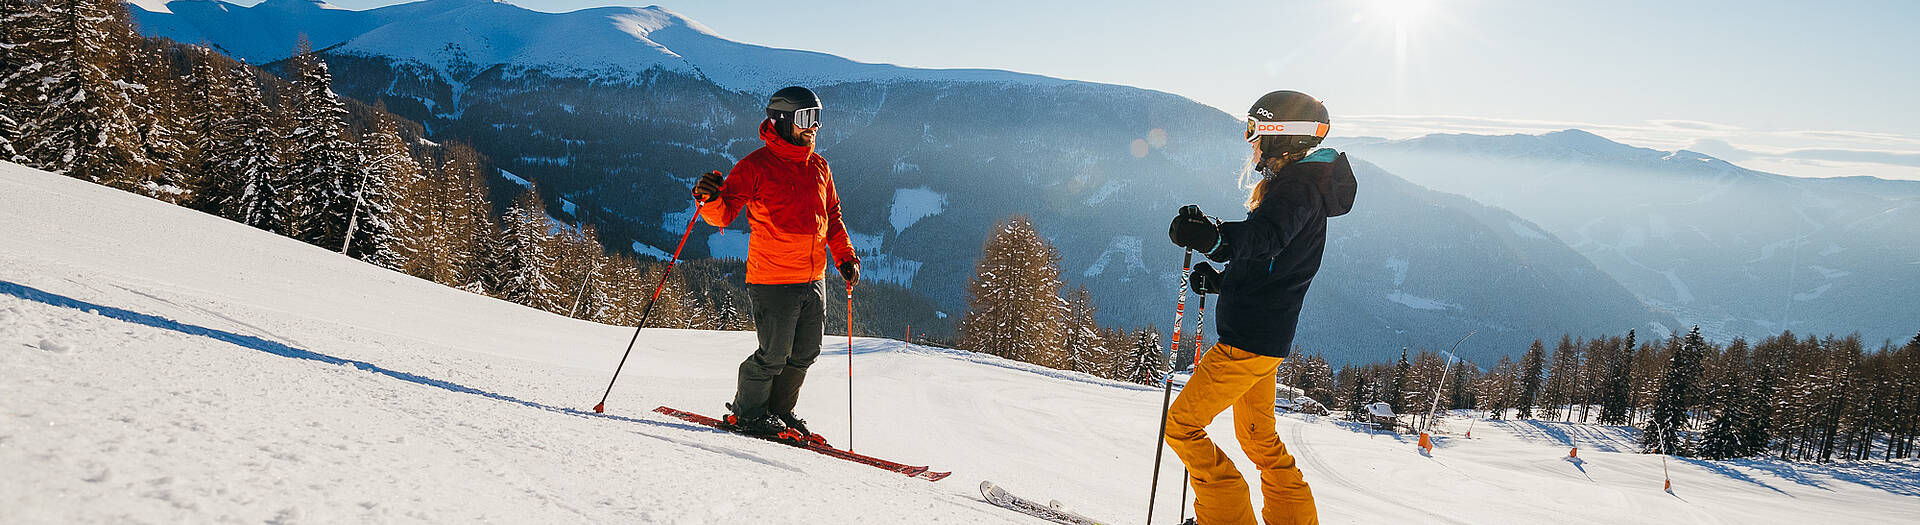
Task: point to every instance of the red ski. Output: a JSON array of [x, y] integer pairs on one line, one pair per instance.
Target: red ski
[[816, 445]]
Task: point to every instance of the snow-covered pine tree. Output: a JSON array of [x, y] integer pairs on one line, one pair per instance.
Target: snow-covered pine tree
[[1675, 398], [388, 164], [1014, 308], [1081, 336], [1359, 395], [152, 67], [76, 114], [324, 163], [1148, 361], [14, 21], [244, 151], [525, 258]]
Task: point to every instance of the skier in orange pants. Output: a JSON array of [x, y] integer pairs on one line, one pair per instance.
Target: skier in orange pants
[[1271, 259]]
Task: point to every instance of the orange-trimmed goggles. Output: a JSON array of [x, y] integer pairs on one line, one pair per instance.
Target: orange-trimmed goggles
[[1257, 128]]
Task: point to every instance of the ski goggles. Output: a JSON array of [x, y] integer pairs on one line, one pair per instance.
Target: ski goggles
[[1259, 128], [806, 118]]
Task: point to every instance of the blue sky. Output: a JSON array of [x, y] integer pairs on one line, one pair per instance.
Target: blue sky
[[1798, 88]]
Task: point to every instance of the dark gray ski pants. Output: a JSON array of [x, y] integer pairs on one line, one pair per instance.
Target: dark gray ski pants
[[790, 320]]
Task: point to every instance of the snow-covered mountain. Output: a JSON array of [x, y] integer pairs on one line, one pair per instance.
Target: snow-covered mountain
[[1740, 252], [616, 110], [163, 365]]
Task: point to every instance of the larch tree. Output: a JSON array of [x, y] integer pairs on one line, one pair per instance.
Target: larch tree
[[1014, 309]]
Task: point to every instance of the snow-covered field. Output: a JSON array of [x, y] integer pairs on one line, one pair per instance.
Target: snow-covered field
[[160, 365]]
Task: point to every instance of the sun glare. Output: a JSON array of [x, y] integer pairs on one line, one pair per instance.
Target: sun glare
[[1400, 12]]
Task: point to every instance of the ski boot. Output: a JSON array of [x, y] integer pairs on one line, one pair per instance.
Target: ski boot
[[799, 427], [767, 425]]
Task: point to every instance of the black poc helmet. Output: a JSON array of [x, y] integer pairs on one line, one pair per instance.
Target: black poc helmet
[[1287, 121], [789, 100]]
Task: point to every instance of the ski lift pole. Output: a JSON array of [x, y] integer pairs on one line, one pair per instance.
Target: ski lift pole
[[1166, 399], [1443, 380]]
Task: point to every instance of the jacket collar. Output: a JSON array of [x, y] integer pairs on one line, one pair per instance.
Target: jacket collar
[[780, 147]]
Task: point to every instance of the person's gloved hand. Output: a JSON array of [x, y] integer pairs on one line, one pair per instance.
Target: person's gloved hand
[[1204, 279], [1194, 230], [850, 271], [708, 187]]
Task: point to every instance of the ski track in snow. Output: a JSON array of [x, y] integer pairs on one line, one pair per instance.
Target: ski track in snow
[[161, 365]]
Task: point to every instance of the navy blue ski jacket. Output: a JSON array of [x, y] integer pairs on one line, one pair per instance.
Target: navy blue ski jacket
[[1273, 255]]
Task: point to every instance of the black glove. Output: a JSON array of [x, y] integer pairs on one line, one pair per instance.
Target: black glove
[[850, 271], [1204, 279], [708, 187], [1194, 230]]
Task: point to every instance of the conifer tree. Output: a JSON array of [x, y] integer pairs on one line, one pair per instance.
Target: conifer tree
[[1082, 341], [1531, 364], [522, 258], [324, 164], [1729, 398], [1616, 388], [1675, 399], [1148, 362], [388, 164], [76, 115], [1359, 396], [1397, 386], [1014, 308]]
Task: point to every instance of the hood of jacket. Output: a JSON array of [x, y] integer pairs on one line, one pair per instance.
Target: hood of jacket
[[779, 145]]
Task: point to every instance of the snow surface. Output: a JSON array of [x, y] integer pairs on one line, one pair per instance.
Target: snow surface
[[912, 204], [644, 249], [161, 365], [1419, 303]]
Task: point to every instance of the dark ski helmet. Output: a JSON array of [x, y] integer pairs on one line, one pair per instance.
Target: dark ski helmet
[[1287, 121], [783, 105]]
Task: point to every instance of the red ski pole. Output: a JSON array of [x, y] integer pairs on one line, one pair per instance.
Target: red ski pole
[[849, 366], [601, 407]]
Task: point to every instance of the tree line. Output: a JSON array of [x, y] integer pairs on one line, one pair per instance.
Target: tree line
[[84, 95], [1787, 396]]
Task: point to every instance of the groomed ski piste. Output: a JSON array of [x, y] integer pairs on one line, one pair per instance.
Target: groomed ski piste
[[162, 365]]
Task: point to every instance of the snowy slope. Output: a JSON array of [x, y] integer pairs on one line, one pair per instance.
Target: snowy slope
[[160, 365]]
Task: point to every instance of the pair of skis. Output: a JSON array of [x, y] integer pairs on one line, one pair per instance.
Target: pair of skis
[[819, 446], [999, 497]]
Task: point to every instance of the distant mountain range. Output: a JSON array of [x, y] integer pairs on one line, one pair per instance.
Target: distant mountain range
[[1737, 251], [614, 111]]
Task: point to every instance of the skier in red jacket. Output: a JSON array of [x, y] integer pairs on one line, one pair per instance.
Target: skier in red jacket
[[793, 214]]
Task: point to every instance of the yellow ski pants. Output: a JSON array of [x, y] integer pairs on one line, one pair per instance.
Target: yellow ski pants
[[1230, 377]]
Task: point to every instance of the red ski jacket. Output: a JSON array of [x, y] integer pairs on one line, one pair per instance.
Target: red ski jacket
[[792, 210]]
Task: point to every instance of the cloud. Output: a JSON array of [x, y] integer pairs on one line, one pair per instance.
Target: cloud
[[1695, 125]]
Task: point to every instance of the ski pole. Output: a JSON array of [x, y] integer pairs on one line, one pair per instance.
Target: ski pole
[[601, 407], [1166, 398], [849, 366], [1199, 349]]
